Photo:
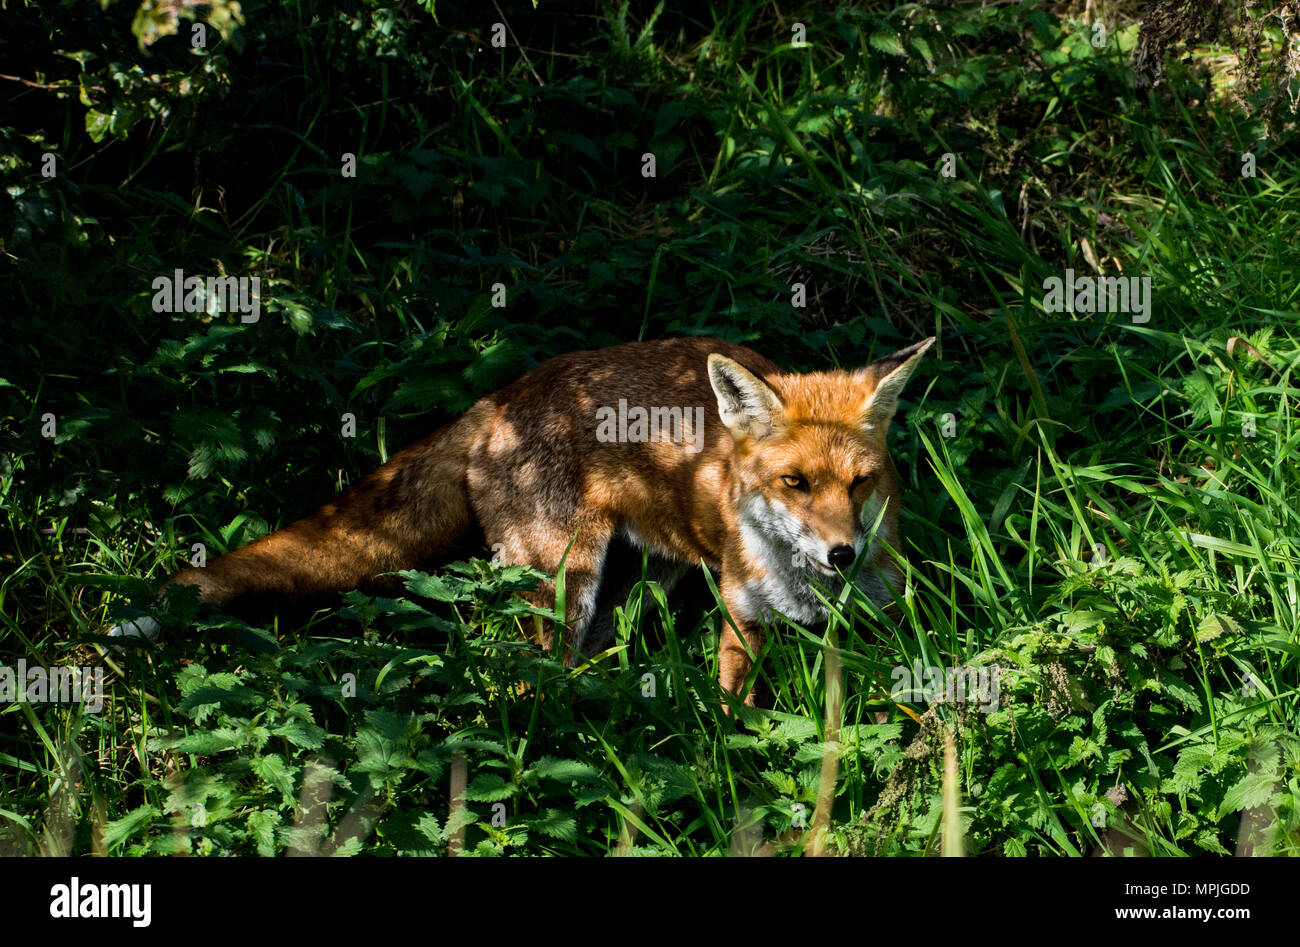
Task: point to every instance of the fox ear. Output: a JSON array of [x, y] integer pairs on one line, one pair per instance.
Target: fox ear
[[746, 404], [889, 374]]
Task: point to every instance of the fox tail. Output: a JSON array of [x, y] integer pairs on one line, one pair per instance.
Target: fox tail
[[412, 510]]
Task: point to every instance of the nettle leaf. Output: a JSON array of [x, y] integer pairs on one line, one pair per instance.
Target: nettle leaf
[[350, 847], [212, 425], [565, 771], [1194, 763], [554, 823], [921, 46], [1201, 398], [1215, 624], [783, 783], [496, 365], [379, 756], [887, 43], [297, 710], [262, 824], [119, 830], [1133, 734], [428, 827], [204, 743], [273, 771], [414, 833], [220, 440], [662, 781], [301, 734], [1208, 839], [170, 843], [1255, 789], [870, 738], [794, 729], [816, 752], [459, 818], [406, 616], [297, 313], [589, 794], [199, 348], [1080, 621], [461, 742], [201, 788], [230, 696], [393, 726], [438, 588], [516, 578], [261, 423], [489, 787], [1182, 693]]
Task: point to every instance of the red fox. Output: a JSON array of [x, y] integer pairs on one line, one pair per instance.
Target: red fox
[[778, 486]]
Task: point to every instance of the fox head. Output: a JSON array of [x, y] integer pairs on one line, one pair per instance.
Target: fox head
[[811, 470]]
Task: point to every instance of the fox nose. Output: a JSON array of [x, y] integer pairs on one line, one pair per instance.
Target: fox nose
[[841, 557]]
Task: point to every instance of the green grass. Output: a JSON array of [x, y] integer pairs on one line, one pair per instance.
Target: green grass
[[1108, 515]]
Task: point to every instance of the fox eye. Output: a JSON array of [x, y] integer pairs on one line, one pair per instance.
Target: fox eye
[[859, 481], [795, 482]]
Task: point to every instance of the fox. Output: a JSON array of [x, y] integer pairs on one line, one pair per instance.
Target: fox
[[776, 482]]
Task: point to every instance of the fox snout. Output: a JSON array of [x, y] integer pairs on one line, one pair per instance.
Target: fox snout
[[828, 555], [831, 534], [841, 556]]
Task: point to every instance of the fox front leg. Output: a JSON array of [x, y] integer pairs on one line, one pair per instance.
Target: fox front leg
[[738, 642]]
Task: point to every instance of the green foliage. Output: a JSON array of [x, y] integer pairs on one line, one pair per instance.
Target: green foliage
[[1109, 521]]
